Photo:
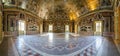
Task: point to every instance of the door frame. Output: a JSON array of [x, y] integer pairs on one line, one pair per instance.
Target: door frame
[[21, 32], [98, 33]]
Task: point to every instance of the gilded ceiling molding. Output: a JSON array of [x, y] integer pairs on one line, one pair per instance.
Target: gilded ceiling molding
[[95, 11], [22, 11]]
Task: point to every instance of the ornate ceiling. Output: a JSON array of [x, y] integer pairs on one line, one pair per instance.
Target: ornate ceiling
[[59, 8]]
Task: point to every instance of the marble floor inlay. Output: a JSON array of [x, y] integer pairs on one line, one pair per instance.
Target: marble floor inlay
[[58, 44]]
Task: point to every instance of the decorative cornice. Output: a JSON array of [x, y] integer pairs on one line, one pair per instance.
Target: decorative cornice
[[106, 9], [15, 8]]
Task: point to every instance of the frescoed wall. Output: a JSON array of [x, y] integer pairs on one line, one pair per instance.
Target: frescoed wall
[[0, 21], [117, 19], [11, 22]]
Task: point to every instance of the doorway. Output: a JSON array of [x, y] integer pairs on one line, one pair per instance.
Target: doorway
[[22, 30], [66, 28], [98, 28], [50, 28]]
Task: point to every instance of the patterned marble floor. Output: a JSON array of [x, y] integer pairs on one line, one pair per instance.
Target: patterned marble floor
[[58, 44], [61, 44]]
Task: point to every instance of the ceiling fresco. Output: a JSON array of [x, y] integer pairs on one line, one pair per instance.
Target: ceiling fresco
[[59, 8]]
